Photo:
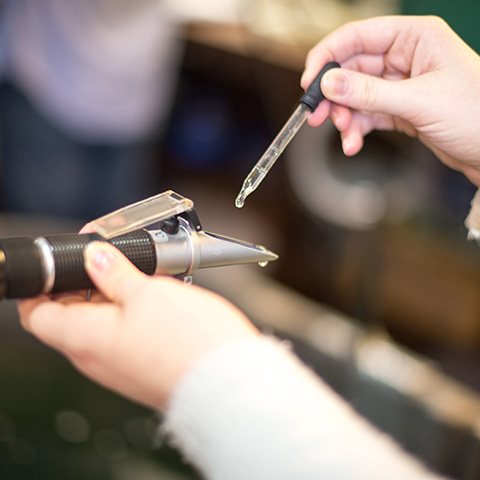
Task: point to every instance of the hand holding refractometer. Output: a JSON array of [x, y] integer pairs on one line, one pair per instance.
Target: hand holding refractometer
[[178, 246]]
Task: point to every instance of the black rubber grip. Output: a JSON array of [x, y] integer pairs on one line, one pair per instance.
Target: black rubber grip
[[67, 250], [314, 95], [20, 268]]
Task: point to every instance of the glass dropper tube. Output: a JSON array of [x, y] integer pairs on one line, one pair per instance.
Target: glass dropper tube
[[266, 162], [307, 104]]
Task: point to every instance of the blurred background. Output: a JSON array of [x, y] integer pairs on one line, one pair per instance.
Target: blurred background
[[105, 102]]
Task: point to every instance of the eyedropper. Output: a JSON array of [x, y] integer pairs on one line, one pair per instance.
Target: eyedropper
[[306, 105]]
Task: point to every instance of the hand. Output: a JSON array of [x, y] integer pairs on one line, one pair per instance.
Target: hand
[[143, 335], [410, 74]]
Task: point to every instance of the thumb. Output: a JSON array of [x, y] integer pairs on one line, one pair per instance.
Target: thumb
[[113, 274], [365, 92]]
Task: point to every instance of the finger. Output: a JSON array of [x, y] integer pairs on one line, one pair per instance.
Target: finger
[[114, 275], [87, 229], [373, 36], [352, 139], [314, 62], [377, 66], [70, 297], [366, 93], [97, 297], [370, 64], [341, 117], [72, 329], [27, 306], [362, 124], [321, 113], [370, 37], [353, 136]]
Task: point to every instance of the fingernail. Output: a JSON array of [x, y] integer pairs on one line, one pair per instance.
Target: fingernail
[[335, 83], [98, 257]]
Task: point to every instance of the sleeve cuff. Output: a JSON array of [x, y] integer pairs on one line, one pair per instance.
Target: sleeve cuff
[[252, 410]]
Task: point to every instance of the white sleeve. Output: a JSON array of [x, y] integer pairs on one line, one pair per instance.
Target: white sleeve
[[251, 410]]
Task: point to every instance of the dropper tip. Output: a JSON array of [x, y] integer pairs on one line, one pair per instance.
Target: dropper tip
[[240, 200]]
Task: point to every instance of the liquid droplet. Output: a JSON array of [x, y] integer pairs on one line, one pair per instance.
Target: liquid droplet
[[240, 201], [263, 264]]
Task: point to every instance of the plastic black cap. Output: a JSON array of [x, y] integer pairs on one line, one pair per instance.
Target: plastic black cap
[[313, 96], [20, 268]]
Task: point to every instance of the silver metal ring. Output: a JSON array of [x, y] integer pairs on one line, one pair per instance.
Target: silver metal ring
[[48, 264], [192, 240]]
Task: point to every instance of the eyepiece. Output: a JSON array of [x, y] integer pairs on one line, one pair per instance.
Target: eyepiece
[[20, 268]]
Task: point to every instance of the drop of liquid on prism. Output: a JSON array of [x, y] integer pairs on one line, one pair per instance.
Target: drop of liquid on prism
[[263, 264]]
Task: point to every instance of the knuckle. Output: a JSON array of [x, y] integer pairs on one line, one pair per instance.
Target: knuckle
[[436, 21], [368, 93]]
